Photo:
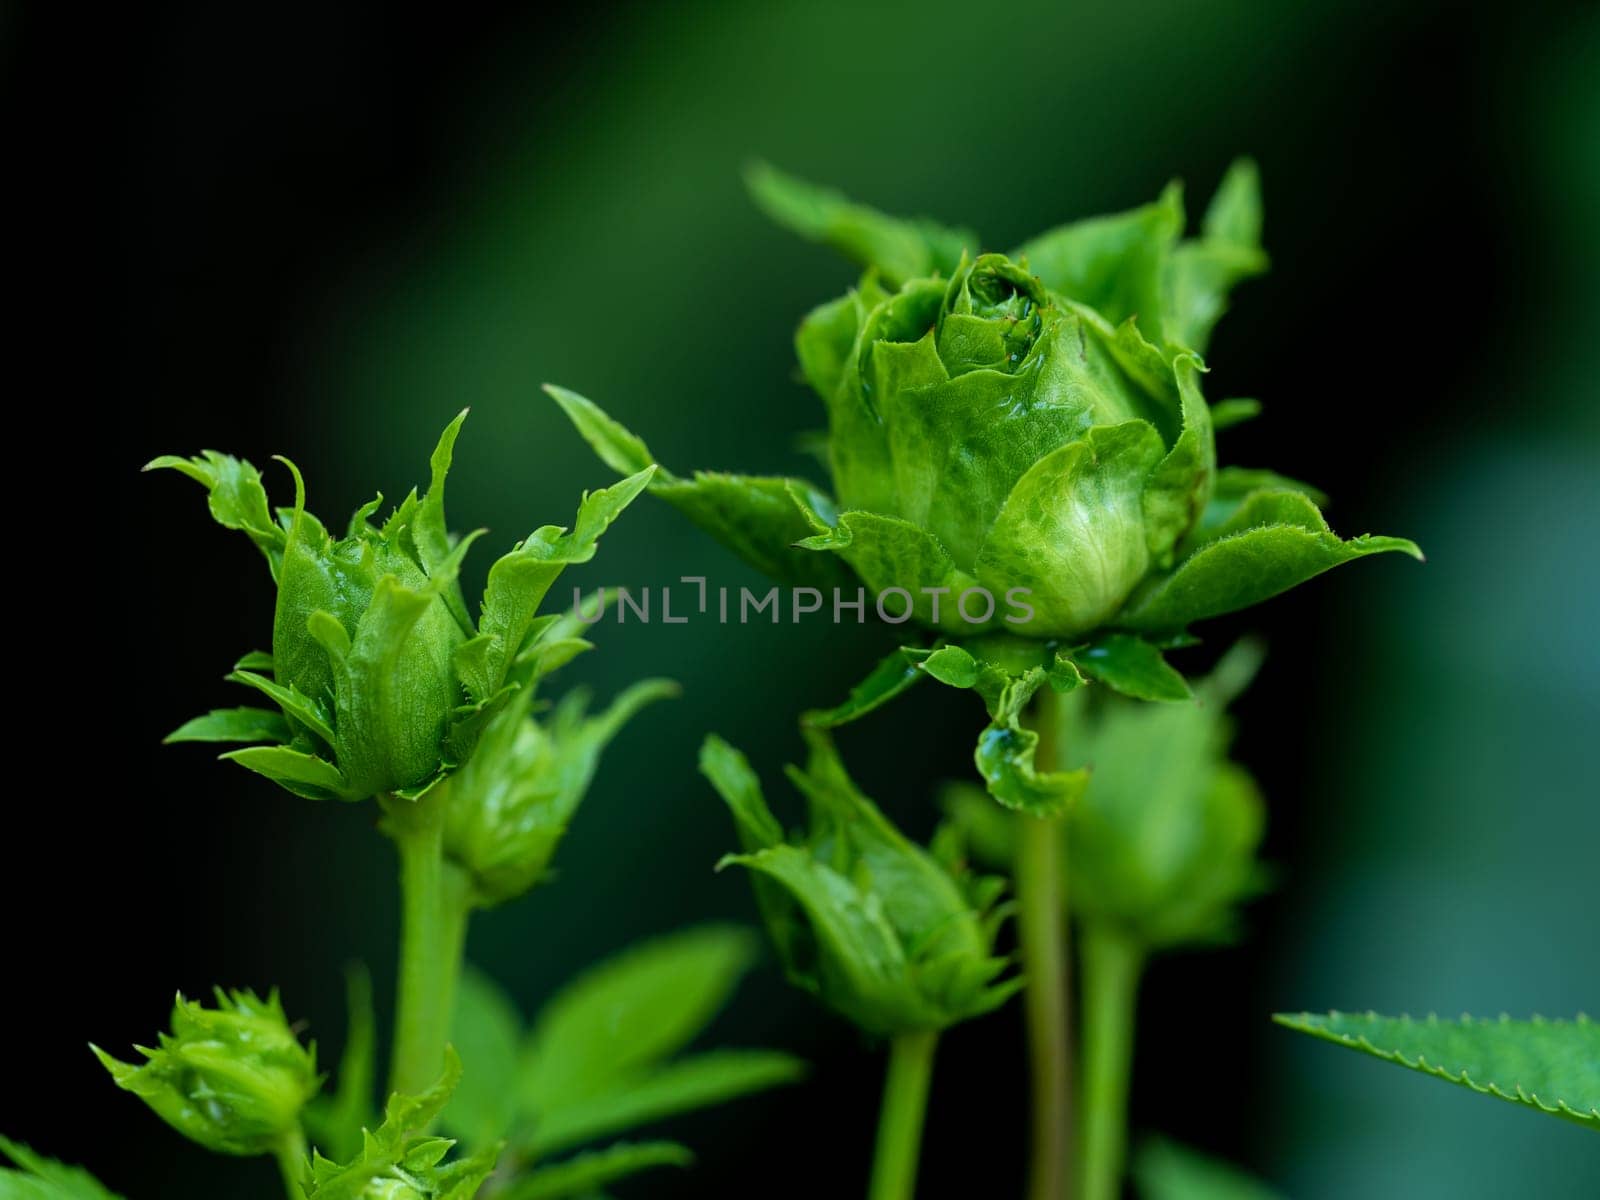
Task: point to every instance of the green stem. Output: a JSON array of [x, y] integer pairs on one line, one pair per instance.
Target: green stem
[[434, 904], [291, 1156], [905, 1101], [1042, 931], [1111, 966]]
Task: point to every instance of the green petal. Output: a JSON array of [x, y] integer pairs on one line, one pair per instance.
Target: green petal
[[1072, 530], [890, 553], [1180, 489], [1113, 263], [899, 249]]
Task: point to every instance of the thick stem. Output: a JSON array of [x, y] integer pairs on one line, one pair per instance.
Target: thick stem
[[292, 1164], [905, 1101], [434, 904], [1111, 964], [1042, 930]]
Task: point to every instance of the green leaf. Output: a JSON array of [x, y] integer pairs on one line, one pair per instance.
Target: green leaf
[[336, 1122], [730, 773], [1244, 568], [1164, 1170], [518, 582], [1006, 671], [753, 516], [894, 674], [1225, 414], [898, 249], [487, 1032], [1132, 666], [630, 1012], [584, 1174], [1549, 1065], [236, 497], [695, 1082], [296, 705], [233, 725], [303, 774], [41, 1178]]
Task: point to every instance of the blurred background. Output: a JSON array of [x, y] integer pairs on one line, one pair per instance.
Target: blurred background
[[330, 229]]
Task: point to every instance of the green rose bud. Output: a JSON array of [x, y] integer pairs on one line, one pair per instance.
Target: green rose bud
[[381, 678], [989, 436], [510, 804], [232, 1078], [892, 937], [399, 1161], [1021, 445]]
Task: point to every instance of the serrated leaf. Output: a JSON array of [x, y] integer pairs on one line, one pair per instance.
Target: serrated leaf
[[41, 1178], [630, 1012], [518, 582], [233, 725], [487, 1032], [753, 516], [690, 1083], [1132, 666], [1243, 569], [1552, 1066], [896, 673], [1164, 1170], [296, 705], [584, 1174]]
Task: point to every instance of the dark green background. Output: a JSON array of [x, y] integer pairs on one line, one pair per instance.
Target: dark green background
[[326, 230]]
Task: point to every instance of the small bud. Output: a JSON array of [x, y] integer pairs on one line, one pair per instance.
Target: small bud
[[892, 937], [510, 804], [232, 1078]]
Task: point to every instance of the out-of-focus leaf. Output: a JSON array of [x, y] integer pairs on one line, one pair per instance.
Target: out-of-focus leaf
[[630, 1012], [582, 1175], [694, 1082], [1552, 1066], [1164, 1170], [335, 1122], [41, 1178], [487, 1032]]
